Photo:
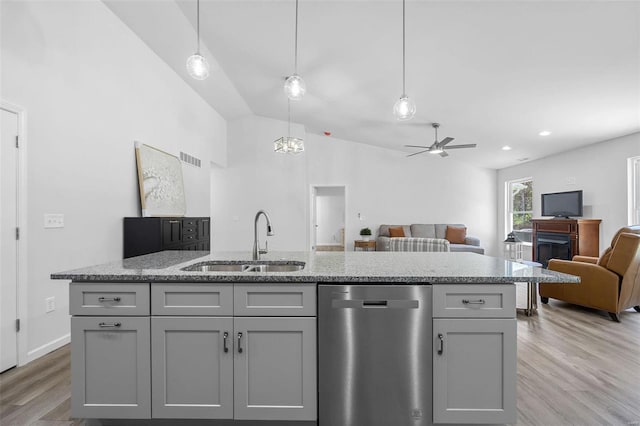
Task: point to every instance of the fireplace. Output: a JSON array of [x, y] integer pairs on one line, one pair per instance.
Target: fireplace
[[552, 245]]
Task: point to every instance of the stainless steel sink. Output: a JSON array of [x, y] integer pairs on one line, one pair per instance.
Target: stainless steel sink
[[246, 266]]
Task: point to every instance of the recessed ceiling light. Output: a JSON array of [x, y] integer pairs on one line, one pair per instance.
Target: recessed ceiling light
[[506, 148], [544, 133]]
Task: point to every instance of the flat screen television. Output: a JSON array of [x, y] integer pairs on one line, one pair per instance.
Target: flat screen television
[[562, 204]]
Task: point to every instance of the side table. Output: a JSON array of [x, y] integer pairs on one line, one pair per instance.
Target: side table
[[367, 245]]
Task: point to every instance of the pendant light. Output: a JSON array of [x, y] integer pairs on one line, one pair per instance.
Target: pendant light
[[288, 144], [404, 108], [197, 65], [294, 86]]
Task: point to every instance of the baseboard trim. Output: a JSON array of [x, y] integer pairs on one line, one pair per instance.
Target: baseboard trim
[[47, 347]]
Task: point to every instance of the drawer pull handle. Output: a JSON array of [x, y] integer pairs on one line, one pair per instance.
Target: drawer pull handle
[[109, 299], [440, 344], [473, 302], [225, 336], [110, 324], [174, 221], [239, 343]]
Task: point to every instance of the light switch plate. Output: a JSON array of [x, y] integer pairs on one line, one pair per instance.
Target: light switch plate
[[53, 220]]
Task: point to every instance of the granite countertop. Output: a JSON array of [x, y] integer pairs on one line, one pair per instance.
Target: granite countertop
[[330, 267]]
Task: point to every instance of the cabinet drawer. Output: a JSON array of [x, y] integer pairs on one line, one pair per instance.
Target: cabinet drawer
[[126, 299], [274, 300], [189, 238], [192, 299], [474, 301]]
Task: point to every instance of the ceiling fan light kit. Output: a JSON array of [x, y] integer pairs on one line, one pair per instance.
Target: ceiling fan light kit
[[438, 147], [197, 65]]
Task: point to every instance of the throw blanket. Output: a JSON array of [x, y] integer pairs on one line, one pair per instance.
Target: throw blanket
[[418, 244]]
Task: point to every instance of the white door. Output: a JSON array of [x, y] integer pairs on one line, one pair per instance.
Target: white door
[[8, 242], [329, 217]]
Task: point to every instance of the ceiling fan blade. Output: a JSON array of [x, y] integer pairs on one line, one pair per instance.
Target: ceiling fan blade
[[443, 154], [416, 153], [470, 145], [416, 146], [445, 141]]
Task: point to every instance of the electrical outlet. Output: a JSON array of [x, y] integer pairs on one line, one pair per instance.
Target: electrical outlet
[[53, 220], [571, 180], [51, 304]]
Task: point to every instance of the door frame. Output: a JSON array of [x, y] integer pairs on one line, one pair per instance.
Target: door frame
[[312, 213], [21, 165]]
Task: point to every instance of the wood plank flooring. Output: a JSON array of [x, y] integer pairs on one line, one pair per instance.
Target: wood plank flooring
[[575, 367]]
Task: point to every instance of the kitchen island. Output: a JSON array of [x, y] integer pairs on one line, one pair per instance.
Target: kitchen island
[[153, 340]]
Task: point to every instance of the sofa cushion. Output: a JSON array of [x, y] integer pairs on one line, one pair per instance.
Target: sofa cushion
[[396, 232], [422, 230], [465, 248], [383, 231], [456, 234], [441, 228]]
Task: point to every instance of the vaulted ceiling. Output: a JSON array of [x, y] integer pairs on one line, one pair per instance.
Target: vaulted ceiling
[[492, 73]]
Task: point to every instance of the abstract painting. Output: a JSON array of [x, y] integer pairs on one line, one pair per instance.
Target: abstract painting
[[160, 182]]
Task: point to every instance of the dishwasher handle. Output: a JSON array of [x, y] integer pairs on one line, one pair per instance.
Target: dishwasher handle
[[374, 304]]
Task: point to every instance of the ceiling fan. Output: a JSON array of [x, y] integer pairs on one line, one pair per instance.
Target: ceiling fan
[[438, 147]]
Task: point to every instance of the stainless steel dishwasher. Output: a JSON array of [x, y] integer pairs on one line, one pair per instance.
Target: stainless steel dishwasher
[[375, 355]]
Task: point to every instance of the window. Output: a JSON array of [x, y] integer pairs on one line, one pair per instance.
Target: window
[[519, 209], [634, 190]]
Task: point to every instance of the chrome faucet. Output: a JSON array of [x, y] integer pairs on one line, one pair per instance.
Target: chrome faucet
[[257, 251]]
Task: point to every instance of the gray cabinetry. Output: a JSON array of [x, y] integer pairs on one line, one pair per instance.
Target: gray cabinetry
[[474, 359], [268, 371], [192, 367], [110, 373], [275, 374]]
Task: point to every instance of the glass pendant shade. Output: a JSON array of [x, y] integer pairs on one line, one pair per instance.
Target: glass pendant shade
[[288, 145], [198, 66], [404, 108], [294, 87]]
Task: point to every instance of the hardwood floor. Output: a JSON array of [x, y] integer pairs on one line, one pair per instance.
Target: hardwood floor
[[575, 367]]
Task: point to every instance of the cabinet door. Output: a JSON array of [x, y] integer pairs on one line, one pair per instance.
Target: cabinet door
[[474, 371], [110, 373], [192, 373], [171, 232], [275, 368]]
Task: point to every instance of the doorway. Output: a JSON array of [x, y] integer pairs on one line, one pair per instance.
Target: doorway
[[9, 128], [328, 218]]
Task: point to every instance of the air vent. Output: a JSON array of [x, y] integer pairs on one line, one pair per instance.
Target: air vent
[[189, 159]]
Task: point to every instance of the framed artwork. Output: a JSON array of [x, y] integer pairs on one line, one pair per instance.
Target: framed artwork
[[160, 182]]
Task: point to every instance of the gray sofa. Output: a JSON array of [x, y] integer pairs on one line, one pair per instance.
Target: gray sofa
[[427, 230]]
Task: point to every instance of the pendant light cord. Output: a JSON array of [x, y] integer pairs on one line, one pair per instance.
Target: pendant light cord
[[289, 117], [295, 51], [404, 91], [198, 24]]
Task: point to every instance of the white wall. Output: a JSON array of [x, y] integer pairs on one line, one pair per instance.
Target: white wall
[[90, 87], [383, 185], [600, 170]]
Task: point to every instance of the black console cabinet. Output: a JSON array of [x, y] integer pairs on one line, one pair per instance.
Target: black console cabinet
[[143, 235]]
